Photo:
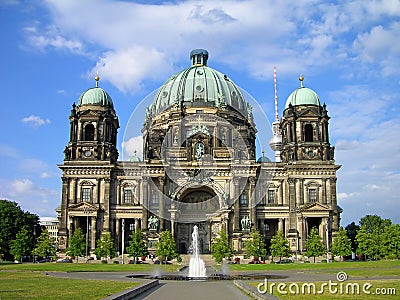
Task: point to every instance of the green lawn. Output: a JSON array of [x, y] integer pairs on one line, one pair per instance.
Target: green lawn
[[36, 285], [377, 289], [357, 269], [90, 267]]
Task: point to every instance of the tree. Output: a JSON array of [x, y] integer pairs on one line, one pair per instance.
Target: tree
[[166, 247], [372, 228], [45, 245], [390, 242], [21, 246], [279, 245], [221, 247], [255, 246], [77, 244], [314, 245], [1, 249], [351, 232], [341, 245], [12, 219], [367, 243], [374, 223], [137, 245], [105, 246]]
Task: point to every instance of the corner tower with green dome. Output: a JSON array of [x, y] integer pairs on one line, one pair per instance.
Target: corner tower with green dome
[[305, 127], [93, 127], [89, 160]]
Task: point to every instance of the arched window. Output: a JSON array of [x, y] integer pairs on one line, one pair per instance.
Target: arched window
[[89, 132], [308, 133]]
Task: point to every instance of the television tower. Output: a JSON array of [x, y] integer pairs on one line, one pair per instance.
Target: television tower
[[276, 141]]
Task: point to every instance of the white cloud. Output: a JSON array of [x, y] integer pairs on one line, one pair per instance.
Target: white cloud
[[35, 121], [258, 34], [131, 145], [378, 47], [127, 68], [51, 37], [29, 196], [367, 147], [21, 186]]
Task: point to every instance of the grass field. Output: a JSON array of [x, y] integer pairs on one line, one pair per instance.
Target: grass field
[[36, 285], [356, 269], [90, 267]]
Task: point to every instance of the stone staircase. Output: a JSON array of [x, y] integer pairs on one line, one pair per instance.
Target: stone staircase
[[207, 258]]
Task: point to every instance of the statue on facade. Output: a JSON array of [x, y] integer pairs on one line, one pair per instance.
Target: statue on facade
[[67, 153], [153, 223], [246, 223]]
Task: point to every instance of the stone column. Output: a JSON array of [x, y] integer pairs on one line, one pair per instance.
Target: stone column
[[70, 226], [118, 232], [292, 204], [64, 222], [280, 224], [119, 192], [329, 192], [106, 226], [93, 233], [253, 208], [145, 188], [137, 224], [333, 192], [280, 192], [161, 204], [233, 194], [323, 200], [298, 192]]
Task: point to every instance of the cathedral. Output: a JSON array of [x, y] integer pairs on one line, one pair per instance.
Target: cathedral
[[199, 167]]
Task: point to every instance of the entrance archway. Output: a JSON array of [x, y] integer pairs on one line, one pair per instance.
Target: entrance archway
[[196, 206]]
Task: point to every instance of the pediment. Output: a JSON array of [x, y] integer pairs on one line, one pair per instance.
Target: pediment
[[308, 113], [83, 207], [90, 113], [310, 207]]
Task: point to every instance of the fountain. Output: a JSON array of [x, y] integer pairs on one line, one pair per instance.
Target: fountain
[[197, 268]]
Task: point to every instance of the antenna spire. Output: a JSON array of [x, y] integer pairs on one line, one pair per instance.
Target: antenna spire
[[276, 96]]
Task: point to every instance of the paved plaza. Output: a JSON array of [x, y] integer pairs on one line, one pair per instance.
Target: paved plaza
[[197, 290]]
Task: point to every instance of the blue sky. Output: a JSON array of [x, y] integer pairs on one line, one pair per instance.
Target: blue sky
[[348, 52]]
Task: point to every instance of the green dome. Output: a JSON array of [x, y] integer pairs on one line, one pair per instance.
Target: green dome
[[302, 96], [95, 96], [198, 86], [134, 158], [263, 159]]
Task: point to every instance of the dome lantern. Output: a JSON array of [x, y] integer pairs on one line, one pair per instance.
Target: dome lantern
[[199, 57]]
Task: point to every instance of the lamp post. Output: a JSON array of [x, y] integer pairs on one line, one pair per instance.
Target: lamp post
[[327, 240], [123, 239], [34, 242]]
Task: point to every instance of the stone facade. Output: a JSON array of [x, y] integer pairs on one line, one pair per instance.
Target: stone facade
[[199, 167]]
